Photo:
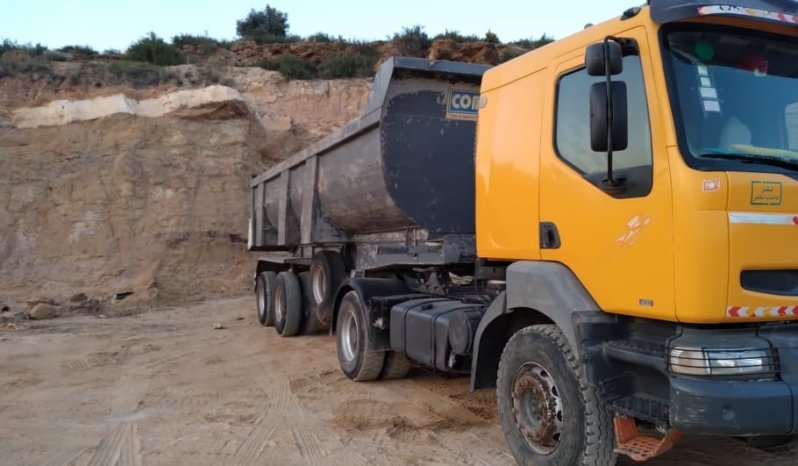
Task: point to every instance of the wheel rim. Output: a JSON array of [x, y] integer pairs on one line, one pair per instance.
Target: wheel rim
[[261, 300], [319, 284], [537, 407], [279, 304], [349, 336]]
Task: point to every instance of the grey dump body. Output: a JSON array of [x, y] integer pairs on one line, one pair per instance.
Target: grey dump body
[[397, 184]]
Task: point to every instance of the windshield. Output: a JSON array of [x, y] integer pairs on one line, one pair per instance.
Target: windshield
[[735, 93]]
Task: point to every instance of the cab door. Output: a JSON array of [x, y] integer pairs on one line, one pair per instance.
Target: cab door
[[619, 244]]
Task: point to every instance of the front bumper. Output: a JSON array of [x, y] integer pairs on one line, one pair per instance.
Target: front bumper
[[736, 407]]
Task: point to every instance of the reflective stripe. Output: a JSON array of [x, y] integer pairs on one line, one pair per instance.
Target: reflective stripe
[[763, 219], [777, 311]]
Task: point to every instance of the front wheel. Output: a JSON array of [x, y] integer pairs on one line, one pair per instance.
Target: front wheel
[[549, 413]]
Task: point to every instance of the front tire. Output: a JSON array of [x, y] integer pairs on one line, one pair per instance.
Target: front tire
[[357, 362], [550, 415]]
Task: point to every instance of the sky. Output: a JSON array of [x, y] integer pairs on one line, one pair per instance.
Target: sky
[[114, 24]]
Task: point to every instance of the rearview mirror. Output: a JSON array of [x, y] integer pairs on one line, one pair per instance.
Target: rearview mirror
[[600, 116], [595, 59]]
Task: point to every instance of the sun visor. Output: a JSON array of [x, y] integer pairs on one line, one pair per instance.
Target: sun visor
[[777, 11]]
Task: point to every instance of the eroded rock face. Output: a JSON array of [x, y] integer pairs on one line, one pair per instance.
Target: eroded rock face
[[149, 196]]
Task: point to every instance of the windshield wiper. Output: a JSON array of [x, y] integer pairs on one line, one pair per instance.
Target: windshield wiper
[[752, 158]]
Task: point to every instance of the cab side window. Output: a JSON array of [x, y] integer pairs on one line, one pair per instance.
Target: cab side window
[[572, 138]]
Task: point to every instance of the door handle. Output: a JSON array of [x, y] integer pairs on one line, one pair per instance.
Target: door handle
[[549, 236]]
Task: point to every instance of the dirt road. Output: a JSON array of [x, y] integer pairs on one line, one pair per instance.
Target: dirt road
[[165, 388]]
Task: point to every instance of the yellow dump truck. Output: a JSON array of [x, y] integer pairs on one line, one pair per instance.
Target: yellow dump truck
[[619, 258]]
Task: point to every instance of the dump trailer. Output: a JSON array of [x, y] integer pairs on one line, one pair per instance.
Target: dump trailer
[[603, 230]]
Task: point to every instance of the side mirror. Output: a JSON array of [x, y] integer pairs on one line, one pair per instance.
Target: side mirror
[[595, 59], [600, 117]]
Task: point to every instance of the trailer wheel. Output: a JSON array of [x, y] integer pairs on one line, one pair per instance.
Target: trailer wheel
[[264, 293], [327, 272], [549, 413], [287, 304], [357, 362], [310, 323], [396, 366]]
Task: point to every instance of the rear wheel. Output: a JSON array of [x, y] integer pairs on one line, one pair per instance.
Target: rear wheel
[[550, 415], [357, 362], [327, 272], [310, 323], [287, 304], [264, 294]]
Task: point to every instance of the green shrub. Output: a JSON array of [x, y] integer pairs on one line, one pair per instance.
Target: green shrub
[[347, 65], [270, 39], [491, 37], [457, 37], [12, 66], [207, 44], [33, 50], [259, 24], [290, 66], [83, 50], [7, 45], [320, 37], [138, 73], [412, 41], [532, 44], [153, 49]]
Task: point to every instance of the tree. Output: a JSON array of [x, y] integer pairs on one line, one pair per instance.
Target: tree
[[491, 37], [270, 22]]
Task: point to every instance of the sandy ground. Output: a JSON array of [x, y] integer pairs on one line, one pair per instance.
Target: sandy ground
[[165, 388]]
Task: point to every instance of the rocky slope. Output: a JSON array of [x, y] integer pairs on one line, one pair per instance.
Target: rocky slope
[[106, 189]]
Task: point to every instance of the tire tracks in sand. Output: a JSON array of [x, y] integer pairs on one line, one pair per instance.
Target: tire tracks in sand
[[121, 446]]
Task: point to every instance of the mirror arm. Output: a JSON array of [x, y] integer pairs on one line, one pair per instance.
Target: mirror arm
[[610, 181]]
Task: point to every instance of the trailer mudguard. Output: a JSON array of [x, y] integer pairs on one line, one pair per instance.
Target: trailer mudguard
[[537, 292]]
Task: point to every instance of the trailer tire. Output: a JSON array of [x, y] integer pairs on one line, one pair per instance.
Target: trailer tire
[[287, 304], [310, 323], [396, 366], [357, 362], [550, 414], [327, 272], [264, 293]]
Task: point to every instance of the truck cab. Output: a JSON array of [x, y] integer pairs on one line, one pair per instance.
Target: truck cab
[[639, 182]]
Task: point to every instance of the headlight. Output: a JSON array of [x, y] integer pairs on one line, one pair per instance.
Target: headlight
[[723, 362]]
